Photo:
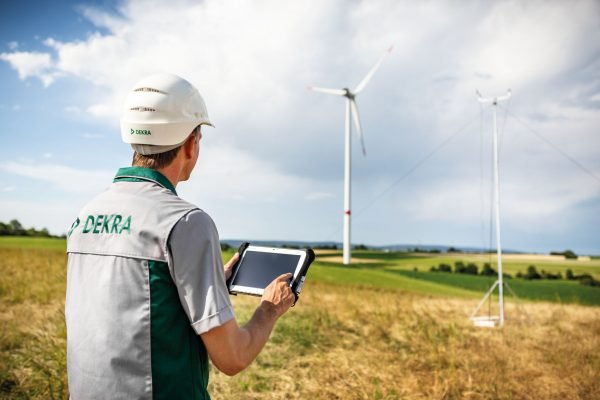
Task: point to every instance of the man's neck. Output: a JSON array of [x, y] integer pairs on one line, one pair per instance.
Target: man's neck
[[172, 172]]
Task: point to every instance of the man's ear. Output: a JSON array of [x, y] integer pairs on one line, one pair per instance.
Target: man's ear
[[188, 146]]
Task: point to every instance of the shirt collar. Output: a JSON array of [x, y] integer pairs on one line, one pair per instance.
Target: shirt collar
[[144, 174]]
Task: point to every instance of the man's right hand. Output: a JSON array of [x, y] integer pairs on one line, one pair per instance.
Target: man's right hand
[[278, 296], [232, 348]]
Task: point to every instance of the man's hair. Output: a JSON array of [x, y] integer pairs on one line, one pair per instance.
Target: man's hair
[[155, 161], [160, 160]]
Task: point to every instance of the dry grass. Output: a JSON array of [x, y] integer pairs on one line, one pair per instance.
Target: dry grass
[[337, 343], [370, 344], [32, 331]]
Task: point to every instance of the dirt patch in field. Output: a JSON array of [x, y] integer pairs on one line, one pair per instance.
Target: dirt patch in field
[[326, 251]]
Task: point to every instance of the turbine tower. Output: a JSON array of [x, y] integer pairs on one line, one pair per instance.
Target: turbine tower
[[491, 321], [351, 112]]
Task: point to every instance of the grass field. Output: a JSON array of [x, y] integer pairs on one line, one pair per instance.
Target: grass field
[[373, 331]]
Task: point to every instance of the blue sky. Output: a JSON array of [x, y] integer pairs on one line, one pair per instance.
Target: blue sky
[[273, 167]]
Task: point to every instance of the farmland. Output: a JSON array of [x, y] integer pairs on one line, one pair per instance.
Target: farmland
[[375, 330]]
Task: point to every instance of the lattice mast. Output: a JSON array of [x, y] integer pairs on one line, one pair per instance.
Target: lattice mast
[[494, 101]]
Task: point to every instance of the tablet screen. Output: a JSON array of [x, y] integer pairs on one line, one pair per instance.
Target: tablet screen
[[258, 269]]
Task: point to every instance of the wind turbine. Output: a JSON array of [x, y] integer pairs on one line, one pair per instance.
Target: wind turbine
[[351, 111]]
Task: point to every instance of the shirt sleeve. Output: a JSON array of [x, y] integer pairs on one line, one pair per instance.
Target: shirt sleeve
[[197, 270]]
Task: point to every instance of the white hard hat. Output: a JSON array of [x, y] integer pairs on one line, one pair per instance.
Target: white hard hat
[[160, 113]]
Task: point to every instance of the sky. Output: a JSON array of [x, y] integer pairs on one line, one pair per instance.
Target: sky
[[272, 168]]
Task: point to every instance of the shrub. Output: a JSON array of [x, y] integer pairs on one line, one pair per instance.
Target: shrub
[[471, 269], [444, 268], [569, 254], [532, 273], [488, 270], [459, 267], [549, 275], [570, 275], [588, 280]]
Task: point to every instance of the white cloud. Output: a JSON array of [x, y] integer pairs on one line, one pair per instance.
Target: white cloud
[[9, 188], [101, 110], [68, 179], [28, 64], [47, 155], [13, 45]]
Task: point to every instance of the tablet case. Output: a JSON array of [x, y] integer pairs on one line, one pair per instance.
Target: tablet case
[[298, 281]]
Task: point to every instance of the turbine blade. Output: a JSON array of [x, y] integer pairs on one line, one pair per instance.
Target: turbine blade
[[356, 118], [370, 74], [338, 92]]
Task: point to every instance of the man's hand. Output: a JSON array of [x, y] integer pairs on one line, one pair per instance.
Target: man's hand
[[278, 297], [230, 264], [232, 348]]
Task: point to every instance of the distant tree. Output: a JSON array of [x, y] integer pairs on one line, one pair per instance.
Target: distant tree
[[588, 280], [569, 274], [4, 229], [488, 270], [452, 250], [549, 275], [361, 247], [16, 228], [444, 268], [569, 254], [532, 273], [225, 246], [471, 268], [519, 275], [459, 267]]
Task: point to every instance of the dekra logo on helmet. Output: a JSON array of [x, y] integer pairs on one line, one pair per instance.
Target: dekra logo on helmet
[[140, 132]]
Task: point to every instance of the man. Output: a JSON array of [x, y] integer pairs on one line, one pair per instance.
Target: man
[[146, 298]]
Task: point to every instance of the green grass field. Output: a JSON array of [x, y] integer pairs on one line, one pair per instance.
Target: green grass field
[[397, 271], [370, 331], [20, 242], [410, 272]]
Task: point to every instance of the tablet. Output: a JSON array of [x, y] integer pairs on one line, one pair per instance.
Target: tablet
[[259, 265]]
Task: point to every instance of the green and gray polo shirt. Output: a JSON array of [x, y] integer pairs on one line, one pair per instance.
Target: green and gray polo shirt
[[144, 279]]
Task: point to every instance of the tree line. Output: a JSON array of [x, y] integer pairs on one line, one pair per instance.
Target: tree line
[[15, 228], [531, 273]]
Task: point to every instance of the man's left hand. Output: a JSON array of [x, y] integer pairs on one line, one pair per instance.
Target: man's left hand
[[230, 264]]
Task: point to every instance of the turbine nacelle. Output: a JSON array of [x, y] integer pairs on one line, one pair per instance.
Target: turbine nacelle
[[351, 96]]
